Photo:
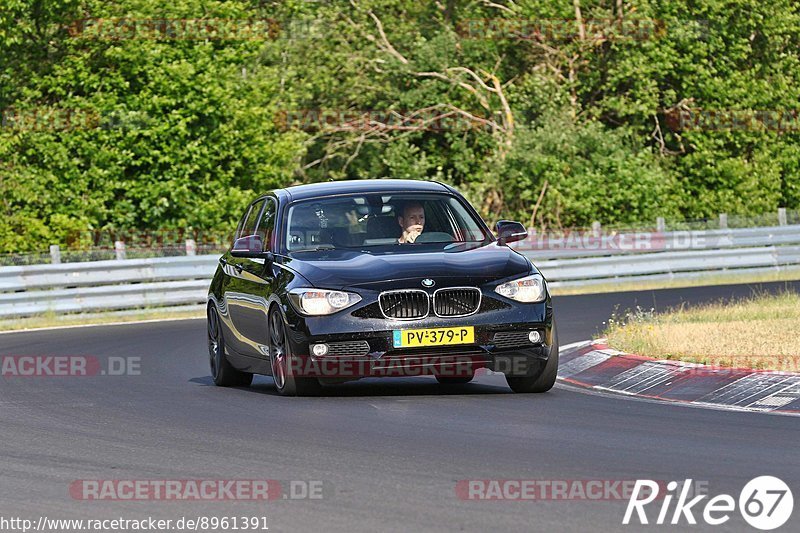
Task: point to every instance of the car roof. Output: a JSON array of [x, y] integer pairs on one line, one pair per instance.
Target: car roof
[[330, 188]]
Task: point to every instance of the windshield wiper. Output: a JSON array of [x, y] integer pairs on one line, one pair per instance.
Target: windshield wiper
[[320, 248]]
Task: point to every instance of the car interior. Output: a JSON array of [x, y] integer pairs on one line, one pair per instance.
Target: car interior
[[357, 222]]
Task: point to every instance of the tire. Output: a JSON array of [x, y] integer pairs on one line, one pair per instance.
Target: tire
[[448, 380], [545, 380], [280, 357], [222, 372]]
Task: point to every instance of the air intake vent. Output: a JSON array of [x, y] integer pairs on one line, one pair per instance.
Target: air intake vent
[[511, 339], [348, 349], [405, 305], [458, 301]]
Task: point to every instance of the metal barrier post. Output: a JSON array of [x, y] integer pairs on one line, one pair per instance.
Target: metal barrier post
[[119, 247], [55, 254]]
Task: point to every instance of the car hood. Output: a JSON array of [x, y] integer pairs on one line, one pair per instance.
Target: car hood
[[472, 266]]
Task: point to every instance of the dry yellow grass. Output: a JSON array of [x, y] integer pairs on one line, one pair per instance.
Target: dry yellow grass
[[760, 332]]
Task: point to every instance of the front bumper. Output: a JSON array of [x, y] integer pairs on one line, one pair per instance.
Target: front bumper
[[361, 344]]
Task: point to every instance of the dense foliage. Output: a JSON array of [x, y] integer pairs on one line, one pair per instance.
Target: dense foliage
[[611, 110]]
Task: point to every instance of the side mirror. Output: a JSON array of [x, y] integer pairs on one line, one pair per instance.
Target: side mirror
[[508, 231], [251, 247]]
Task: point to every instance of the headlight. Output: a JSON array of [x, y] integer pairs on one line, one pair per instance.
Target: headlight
[[318, 302], [528, 290]]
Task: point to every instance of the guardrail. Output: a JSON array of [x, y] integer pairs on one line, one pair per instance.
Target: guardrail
[[589, 258], [105, 285], [580, 259], [593, 244], [669, 265]]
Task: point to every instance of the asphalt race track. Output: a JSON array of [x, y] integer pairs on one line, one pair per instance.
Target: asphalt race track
[[389, 453]]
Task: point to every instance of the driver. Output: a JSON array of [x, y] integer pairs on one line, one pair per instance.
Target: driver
[[412, 221]]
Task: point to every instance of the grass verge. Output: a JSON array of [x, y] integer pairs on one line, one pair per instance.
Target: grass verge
[[704, 281], [757, 332], [50, 320]]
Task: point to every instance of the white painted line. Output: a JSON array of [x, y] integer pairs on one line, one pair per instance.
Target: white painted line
[[744, 390], [612, 352], [600, 391], [781, 398], [580, 344], [643, 377], [772, 402]]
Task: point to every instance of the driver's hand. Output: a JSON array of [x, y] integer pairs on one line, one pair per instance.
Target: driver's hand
[[411, 233]]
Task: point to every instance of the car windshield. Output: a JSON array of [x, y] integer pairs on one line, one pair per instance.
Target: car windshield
[[381, 220]]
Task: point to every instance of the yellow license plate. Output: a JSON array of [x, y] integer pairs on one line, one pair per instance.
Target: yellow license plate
[[412, 338]]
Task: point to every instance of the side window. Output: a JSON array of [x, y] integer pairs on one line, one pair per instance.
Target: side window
[[267, 224], [238, 231], [248, 225], [468, 228]]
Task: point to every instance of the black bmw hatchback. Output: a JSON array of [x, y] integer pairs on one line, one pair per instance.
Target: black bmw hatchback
[[336, 281]]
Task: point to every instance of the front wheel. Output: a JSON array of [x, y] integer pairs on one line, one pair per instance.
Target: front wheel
[[283, 371], [545, 380], [222, 372]]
